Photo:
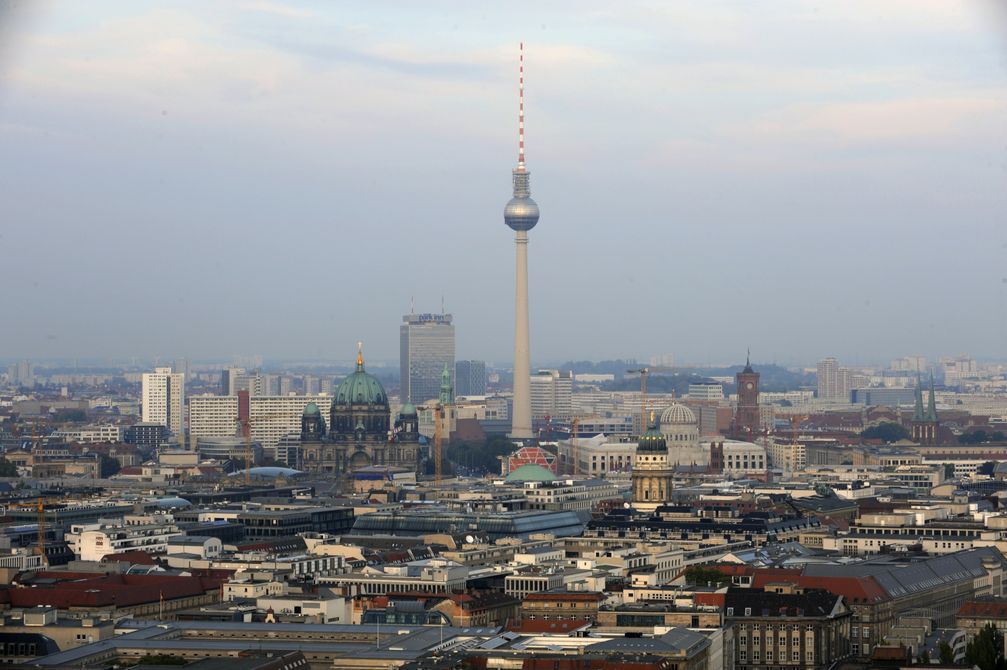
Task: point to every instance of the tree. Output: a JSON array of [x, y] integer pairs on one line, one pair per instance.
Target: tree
[[699, 575], [949, 470], [7, 469], [480, 456], [946, 652], [886, 431], [923, 658], [108, 466], [986, 649]]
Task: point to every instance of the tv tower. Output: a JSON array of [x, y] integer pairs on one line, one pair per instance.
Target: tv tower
[[521, 214]]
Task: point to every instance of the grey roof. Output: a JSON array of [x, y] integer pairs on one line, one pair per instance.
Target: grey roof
[[903, 578], [675, 640], [402, 642]]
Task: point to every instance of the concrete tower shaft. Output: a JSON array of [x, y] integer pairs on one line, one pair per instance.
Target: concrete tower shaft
[[521, 214]]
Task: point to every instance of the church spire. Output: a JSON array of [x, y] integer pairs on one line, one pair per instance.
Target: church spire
[[447, 395], [360, 356], [932, 402], [918, 409]]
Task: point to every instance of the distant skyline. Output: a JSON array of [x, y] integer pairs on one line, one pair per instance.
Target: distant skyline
[[205, 180]]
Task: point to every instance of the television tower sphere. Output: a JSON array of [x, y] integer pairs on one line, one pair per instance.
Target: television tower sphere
[[521, 213]]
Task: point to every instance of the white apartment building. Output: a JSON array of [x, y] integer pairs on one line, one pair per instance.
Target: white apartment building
[[162, 399], [569, 494], [271, 417], [432, 575], [828, 378], [94, 542], [551, 394], [91, 434], [706, 392]]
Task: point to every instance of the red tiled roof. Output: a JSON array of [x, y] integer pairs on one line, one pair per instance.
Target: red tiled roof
[[135, 557], [109, 590], [852, 589], [765, 576], [714, 599], [987, 609]]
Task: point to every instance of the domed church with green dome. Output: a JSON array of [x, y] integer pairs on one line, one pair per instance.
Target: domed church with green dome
[[360, 432]]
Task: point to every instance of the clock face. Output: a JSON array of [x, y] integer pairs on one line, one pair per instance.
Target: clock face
[[749, 386]]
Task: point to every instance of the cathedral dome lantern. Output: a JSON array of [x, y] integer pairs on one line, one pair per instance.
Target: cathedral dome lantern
[[360, 388], [360, 411], [652, 441]]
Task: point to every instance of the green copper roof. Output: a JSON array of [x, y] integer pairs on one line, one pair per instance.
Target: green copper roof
[[408, 409], [652, 440], [360, 388], [531, 473], [311, 409]]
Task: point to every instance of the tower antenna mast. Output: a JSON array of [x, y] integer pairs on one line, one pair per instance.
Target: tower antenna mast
[[520, 112]]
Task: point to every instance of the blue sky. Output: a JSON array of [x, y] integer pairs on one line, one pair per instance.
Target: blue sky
[[256, 177]]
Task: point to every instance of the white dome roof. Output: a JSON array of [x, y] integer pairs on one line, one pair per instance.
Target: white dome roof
[[678, 415]]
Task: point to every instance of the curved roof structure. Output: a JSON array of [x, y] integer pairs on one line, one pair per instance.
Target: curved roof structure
[[531, 473]]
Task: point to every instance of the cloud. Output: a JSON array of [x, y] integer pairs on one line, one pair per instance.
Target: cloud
[[928, 120], [276, 9]]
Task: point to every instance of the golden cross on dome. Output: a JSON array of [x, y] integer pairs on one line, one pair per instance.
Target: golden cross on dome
[[360, 352]]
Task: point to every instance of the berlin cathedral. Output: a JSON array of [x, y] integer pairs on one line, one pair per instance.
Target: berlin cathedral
[[359, 433]]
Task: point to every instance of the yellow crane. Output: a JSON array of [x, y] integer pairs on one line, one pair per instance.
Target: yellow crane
[[643, 372], [573, 443], [438, 414], [39, 507]]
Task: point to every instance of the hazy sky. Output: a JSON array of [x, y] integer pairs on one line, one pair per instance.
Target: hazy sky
[[255, 177]]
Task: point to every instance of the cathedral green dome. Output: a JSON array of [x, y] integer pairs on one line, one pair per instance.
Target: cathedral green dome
[[408, 409], [360, 388], [311, 409], [652, 441]]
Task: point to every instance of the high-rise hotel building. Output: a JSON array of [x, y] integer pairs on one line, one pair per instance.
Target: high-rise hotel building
[[427, 344]]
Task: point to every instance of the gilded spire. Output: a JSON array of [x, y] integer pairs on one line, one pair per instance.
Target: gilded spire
[[360, 356]]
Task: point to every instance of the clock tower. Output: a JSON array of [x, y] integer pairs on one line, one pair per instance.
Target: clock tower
[[747, 420]]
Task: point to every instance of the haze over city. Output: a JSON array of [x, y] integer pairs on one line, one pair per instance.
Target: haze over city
[[206, 179]]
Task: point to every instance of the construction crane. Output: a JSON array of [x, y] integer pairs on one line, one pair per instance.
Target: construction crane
[[795, 425], [39, 507], [643, 372], [574, 425], [245, 426], [438, 414]]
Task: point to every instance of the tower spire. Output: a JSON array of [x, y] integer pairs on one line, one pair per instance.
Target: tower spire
[[520, 113], [360, 355], [932, 402]]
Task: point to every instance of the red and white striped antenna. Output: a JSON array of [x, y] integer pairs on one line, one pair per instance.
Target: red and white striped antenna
[[520, 118]]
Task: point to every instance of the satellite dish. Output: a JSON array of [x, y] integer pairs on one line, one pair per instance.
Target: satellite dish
[[470, 539]]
